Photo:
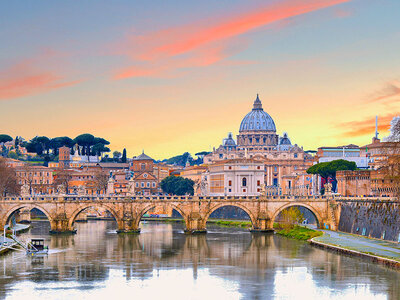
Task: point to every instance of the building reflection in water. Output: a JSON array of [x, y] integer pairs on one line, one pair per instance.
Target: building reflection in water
[[250, 266]]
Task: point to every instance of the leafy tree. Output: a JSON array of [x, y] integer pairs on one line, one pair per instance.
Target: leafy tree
[[13, 155], [98, 140], [123, 156], [61, 141], [99, 149], [116, 155], [328, 169], [202, 153], [85, 140], [176, 185], [4, 138], [291, 216], [39, 145]]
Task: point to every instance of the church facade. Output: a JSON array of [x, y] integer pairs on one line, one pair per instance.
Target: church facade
[[259, 142]]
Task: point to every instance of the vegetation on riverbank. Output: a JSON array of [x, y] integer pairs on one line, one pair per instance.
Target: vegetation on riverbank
[[224, 223], [299, 233]]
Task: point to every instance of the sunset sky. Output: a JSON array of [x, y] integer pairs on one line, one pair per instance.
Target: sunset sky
[[175, 76]]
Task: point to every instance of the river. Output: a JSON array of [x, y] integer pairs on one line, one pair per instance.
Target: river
[[164, 263]]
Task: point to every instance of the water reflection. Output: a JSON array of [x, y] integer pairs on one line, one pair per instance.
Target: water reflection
[[163, 262]]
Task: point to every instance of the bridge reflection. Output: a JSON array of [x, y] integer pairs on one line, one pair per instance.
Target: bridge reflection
[[254, 261]]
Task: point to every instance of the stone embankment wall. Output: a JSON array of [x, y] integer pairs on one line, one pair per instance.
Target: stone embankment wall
[[379, 220]]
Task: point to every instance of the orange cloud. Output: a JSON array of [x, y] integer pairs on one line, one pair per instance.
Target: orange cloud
[[389, 93], [206, 44], [26, 78], [361, 128]]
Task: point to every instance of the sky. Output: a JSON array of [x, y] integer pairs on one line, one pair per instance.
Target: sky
[[169, 76]]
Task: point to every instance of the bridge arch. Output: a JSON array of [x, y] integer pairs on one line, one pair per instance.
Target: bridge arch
[[317, 216], [12, 210], [217, 206], [81, 208], [151, 206]]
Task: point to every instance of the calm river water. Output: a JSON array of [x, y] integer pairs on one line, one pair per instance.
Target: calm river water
[[163, 263]]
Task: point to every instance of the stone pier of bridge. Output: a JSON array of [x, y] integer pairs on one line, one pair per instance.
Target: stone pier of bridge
[[62, 211]]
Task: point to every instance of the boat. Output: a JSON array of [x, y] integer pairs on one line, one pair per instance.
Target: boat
[[36, 246]]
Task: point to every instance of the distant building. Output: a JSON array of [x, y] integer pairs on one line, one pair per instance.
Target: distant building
[[145, 181], [349, 152], [234, 177], [257, 140]]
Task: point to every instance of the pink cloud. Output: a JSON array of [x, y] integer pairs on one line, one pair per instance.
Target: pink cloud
[[204, 44], [28, 77]]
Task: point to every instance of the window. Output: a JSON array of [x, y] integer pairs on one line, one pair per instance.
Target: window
[[244, 190], [137, 184], [295, 155], [142, 184], [258, 182], [244, 181], [275, 169], [230, 182], [230, 190], [143, 166], [154, 184], [148, 184]]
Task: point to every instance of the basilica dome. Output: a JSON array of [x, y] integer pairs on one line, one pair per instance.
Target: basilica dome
[[257, 119]]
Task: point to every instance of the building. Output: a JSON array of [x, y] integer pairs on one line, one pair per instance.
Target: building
[[145, 182], [35, 179], [258, 140], [349, 152], [234, 177]]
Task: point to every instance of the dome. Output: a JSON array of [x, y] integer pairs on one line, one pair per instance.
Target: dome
[[229, 141], [257, 119], [285, 140]]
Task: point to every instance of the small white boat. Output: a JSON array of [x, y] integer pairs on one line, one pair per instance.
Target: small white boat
[[36, 246]]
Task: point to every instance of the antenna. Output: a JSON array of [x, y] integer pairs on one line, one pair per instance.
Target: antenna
[[376, 127]]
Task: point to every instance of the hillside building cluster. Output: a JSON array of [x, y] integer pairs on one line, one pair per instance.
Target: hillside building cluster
[[257, 161]]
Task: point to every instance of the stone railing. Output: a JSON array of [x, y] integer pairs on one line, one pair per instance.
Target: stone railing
[[117, 198]]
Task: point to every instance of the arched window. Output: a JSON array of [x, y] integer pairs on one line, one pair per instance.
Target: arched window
[[244, 181]]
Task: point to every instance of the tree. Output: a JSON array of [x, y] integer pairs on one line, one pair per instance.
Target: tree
[[4, 138], [328, 169], [62, 177], [291, 216], [8, 180], [391, 167], [85, 140], [99, 149], [394, 130], [59, 142], [100, 180], [176, 185], [39, 145], [123, 156], [13, 155], [116, 155]]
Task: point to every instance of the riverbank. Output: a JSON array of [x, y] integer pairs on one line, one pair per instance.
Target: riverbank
[[378, 251], [298, 233]]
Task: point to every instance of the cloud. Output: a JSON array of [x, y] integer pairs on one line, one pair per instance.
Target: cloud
[[28, 77], [207, 43], [389, 93], [366, 127]]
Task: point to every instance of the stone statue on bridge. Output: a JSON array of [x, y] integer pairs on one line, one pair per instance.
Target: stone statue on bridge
[[328, 188], [131, 188], [81, 190], [25, 190], [61, 189]]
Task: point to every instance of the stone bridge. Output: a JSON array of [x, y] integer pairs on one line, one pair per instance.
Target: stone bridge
[[62, 211]]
